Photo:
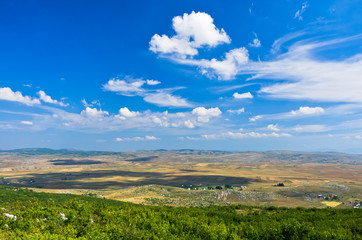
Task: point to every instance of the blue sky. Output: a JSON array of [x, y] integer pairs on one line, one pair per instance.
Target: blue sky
[[223, 75]]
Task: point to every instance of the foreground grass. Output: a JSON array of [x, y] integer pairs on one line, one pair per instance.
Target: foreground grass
[[28, 215]]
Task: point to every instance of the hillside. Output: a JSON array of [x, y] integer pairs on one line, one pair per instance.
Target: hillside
[[28, 215]]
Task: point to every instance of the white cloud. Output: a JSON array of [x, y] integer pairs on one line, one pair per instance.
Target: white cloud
[[256, 42], [256, 135], [151, 138], [164, 44], [300, 12], [311, 128], [299, 73], [146, 138], [209, 136], [98, 120], [8, 95], [241, 135], [189, 124], [93, 113], [200, 28], [300, 113], [193, 31], [253, 119], [277, 44], [47, 99], [225, 69], [197, 30], [125, 112], [126, 87], [242, 95], [308, 78], [237, 111], [93, 103], [204, 114], [152, 82], [27, 122], [273, 127], [164, 99], [307, 111], [159, 97]]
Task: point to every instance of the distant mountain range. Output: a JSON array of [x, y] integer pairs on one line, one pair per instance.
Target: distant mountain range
[[204, 155]]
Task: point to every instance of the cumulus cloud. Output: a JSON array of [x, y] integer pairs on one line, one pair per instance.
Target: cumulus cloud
[[98, 120], [225, 69], [299, 73], [126, 87], [242, 95], [189, 124], [253, 119], [164, 44], [273, 127], [237, 111], [152, 82], [159, 97], [47, 99], [256, 42], [125, 112], [193, 31], [93, 113], [7, 94], [204, 115], [307, 111]]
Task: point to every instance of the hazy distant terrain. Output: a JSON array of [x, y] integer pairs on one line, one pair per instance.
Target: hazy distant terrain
[[191, 177]]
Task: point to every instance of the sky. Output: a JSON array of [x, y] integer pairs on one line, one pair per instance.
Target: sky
[[218, 75]]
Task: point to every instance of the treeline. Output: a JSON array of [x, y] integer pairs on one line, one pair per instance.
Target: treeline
[[28, 215]]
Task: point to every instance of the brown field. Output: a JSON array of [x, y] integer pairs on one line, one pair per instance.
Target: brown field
[[156, 177]]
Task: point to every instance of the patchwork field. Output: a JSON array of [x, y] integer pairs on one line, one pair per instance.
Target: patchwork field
[[190, 177]]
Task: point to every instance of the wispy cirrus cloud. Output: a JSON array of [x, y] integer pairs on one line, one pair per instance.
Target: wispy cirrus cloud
[[299, 13], [302, 112], [299, 73]]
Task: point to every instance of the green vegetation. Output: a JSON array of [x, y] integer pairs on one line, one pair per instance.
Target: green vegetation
[[28, 215]]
